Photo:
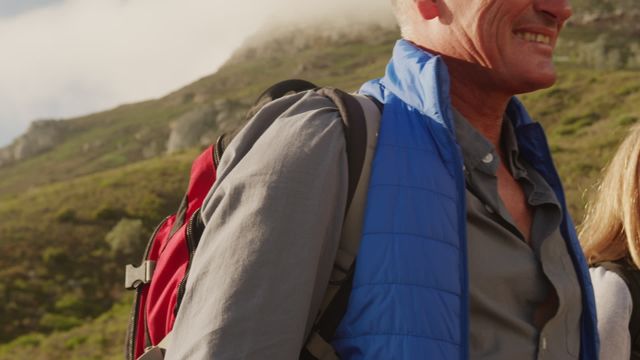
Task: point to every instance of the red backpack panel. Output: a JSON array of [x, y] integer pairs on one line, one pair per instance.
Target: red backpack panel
[[160, 280]]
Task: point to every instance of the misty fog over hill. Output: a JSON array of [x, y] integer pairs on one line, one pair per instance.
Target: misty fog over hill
[[65, 58]]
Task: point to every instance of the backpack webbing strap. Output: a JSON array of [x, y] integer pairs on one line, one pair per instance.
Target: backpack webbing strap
[[277, 91], [317, 346], [355, 129], [631, 277], [336, 297]]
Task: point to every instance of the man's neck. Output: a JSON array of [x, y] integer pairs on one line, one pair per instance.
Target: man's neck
[[483, 108]]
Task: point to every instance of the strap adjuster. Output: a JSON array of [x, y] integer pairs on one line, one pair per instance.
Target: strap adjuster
[[136, 276], [319, 348], [152, 353]]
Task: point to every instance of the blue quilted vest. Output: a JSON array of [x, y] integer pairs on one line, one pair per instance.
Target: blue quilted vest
[[410, 291]]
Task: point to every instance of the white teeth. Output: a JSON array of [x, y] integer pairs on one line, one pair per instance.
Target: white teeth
[[534, 37]]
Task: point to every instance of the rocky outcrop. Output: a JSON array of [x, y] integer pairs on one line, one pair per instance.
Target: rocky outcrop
[[615, 17], [202, 126], [41, 136]]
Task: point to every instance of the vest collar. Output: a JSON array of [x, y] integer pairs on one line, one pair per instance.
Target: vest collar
[[421, 80]]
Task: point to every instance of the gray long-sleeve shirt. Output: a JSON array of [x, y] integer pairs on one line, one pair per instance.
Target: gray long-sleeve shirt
[[276, 210]]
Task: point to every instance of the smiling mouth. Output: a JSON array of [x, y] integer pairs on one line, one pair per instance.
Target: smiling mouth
[[536, 38]]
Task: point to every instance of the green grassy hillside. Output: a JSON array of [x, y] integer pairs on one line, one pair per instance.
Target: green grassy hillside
[[75, 214], [58, 268], [99, 339], [63, 204], [585, 114]]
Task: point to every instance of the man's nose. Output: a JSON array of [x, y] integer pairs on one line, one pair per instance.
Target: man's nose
[[559, 10]]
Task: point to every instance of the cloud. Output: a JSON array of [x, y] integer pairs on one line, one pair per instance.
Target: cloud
[[15, 7], [79, 56]]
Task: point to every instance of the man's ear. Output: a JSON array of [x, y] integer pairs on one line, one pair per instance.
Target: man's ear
[[428, 9]]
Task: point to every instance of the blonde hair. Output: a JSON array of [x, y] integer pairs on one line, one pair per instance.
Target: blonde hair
[[611, 229]]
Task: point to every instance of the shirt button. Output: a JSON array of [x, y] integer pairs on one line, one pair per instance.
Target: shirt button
[[543, 343], [487, 159]]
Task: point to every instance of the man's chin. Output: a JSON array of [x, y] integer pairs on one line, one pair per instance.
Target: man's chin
[[534, 83]]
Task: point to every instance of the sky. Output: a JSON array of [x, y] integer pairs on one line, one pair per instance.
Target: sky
[[65, 58]]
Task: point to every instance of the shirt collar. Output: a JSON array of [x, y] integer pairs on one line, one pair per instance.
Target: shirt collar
[[510, 147], [475, 147], [478, 153]]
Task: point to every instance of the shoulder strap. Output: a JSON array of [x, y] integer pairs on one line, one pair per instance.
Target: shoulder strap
[[351, 113], [279, 90], [336, 297], [631, 277], [355, 129]]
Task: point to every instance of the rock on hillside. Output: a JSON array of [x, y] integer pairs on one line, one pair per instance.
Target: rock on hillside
[[620, 15], [619, 18], [201, 126], [41, 136]]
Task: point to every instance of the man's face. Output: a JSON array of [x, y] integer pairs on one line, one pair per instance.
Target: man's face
[[513, 38]]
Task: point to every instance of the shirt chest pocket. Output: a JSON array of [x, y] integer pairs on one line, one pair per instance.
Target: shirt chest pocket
[[573, 295]]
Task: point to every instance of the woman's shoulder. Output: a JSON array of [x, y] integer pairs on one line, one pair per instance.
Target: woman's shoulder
[[610, 290], [614, 306]]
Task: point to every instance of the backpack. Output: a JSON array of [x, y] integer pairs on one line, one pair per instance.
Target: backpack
[[631, 276], [160, 280]]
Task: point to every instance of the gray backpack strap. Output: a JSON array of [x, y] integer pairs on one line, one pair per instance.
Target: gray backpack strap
[[336, 296], [352, 228]]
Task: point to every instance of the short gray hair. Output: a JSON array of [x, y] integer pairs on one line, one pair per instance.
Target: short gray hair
[[402, 11]]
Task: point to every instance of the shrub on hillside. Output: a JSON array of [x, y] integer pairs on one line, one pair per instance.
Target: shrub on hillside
[[633, 61], [627, 120], [125, 239], [108, 213], [55, 257], [59, 322], [66, 215], [572, 124], [29, 340]]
